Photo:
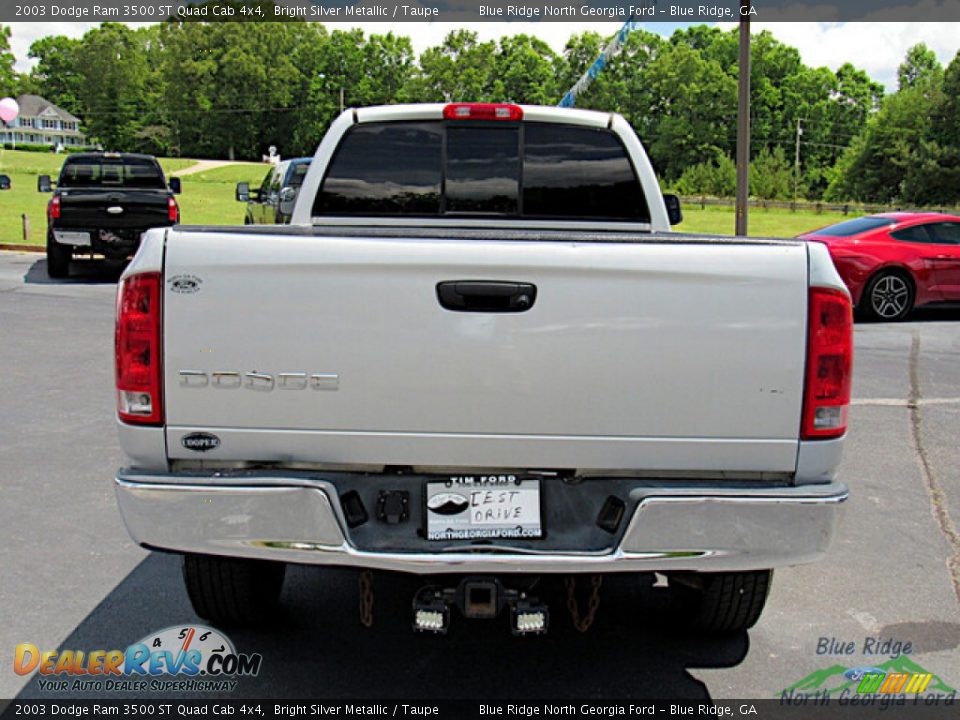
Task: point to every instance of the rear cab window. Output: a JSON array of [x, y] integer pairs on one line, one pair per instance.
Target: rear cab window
[[384, 169], [482, 170], [549, 171], [579, 173], [106, 172]]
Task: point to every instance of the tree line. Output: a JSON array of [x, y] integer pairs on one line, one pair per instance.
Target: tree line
[[233, 89]]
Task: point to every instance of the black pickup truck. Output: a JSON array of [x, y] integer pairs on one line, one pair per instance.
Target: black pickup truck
[[101, 205]]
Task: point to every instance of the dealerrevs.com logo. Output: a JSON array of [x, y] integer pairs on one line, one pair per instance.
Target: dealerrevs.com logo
[[182, 658]]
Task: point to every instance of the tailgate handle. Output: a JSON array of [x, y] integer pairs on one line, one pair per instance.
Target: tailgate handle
[[486, 296]]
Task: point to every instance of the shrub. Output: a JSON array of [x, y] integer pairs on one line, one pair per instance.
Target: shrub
[[771, 176], [716, 177]]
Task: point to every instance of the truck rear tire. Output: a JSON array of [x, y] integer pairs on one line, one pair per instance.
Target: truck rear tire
[[725, 602], [58, 259], [233, 591]]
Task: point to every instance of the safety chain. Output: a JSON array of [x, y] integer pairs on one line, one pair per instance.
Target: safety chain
[[583, 624], [366, 598]]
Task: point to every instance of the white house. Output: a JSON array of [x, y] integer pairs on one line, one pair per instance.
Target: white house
[[40, 122]]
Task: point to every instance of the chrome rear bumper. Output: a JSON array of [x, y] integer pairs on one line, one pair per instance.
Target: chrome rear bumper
[[299, 520]]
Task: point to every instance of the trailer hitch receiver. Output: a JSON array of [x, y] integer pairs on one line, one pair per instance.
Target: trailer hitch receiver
[[478, 598]]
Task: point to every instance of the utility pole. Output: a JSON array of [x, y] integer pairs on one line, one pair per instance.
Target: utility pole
[[743, 121], [796, 161], [341, 96]]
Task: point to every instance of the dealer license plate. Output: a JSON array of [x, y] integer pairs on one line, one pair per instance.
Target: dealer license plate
[[72, 238], [483, 506]]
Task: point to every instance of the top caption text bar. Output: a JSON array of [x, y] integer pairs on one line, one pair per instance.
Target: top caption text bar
[[472, 11]]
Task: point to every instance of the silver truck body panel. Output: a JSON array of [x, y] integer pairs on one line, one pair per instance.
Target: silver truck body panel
[[634, 355]]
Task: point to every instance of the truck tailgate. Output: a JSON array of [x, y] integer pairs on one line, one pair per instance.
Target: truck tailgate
[[122, 208], [635, 356]]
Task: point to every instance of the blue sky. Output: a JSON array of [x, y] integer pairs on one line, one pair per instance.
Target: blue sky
[[878, 48]]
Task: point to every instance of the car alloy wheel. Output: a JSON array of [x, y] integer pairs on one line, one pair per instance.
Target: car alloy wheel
[[890, 297]]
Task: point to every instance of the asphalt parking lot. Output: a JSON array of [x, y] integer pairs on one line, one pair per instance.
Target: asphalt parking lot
[[71, 578]]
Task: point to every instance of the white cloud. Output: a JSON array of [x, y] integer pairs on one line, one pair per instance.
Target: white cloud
[[877, 48], [429, 34]]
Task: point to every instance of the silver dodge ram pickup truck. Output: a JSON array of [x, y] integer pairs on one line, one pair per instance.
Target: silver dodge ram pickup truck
[[479, 354]]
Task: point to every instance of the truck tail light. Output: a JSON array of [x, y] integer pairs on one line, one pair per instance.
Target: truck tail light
[[139, 373], [173, 210], [482, 111], [53, 208], [829, 364]]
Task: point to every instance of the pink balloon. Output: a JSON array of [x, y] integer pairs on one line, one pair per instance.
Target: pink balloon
[[9, 109]]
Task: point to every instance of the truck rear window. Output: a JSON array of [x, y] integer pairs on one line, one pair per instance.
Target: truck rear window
[[384, 169], [111, 172], [483, 170], [432, 169]]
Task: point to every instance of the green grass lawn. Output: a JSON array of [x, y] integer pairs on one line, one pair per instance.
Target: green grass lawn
[[16, 162], [773, 222], [171, 164], [208, 199], [209, 203], [252, 173], [208, 196], [22, 198]]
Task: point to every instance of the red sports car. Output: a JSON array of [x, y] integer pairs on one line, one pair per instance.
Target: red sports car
[[894, 262]]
